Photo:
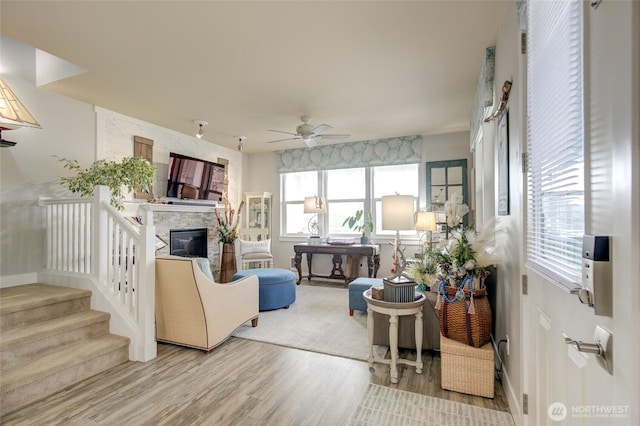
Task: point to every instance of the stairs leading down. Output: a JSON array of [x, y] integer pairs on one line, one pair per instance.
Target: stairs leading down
[[50, 340]]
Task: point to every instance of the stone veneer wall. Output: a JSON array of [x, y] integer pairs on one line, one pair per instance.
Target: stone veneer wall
[[173, 217]]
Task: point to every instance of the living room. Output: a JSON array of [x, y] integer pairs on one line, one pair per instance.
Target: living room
[[82, 131]]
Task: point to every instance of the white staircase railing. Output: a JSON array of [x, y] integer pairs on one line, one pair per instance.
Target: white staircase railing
[[90, 245]]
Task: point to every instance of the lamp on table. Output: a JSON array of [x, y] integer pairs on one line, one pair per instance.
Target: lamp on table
[[397, 215], [314, 205], [426, 221]]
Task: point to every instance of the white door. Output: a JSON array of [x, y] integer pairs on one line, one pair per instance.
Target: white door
[[565, 386]]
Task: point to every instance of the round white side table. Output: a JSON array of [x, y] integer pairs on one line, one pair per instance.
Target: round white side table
[[394, 310]]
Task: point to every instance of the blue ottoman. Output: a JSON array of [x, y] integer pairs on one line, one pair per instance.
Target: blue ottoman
[[356, 288], [277, 287]]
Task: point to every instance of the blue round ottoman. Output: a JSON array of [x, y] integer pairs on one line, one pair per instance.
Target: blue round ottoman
[[277, 287]]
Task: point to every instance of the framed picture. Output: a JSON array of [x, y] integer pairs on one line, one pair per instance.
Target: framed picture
[[503, 164]]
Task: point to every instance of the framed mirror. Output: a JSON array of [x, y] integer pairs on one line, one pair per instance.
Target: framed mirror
[[445, 178]]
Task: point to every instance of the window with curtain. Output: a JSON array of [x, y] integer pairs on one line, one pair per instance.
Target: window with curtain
[[555, 140], [346, 191]]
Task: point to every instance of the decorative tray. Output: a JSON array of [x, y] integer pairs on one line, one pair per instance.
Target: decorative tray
[[341, 241]]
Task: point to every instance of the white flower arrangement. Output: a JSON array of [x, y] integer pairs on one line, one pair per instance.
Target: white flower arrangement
[[455, 210]]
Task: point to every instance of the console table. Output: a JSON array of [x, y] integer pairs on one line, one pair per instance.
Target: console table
[[372, 251]]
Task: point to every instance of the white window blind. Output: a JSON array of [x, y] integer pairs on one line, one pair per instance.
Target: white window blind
[[555, 139]]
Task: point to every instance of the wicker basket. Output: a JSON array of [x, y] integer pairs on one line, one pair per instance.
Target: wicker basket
[[466, 369], [473, 329]]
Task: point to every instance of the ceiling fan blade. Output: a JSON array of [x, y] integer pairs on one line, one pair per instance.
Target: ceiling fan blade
[[287, 139], [282, 131], [334, 136], [320, 129], [311, 142]]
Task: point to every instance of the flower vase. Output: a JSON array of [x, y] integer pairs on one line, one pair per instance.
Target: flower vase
[[228, 264]]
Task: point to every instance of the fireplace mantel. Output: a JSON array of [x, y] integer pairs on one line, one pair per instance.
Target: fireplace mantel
[[146, 210]]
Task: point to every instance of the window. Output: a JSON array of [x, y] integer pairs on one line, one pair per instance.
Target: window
[[295, 187], [346, 194], [346, 191], [388, 180], [555, 136]]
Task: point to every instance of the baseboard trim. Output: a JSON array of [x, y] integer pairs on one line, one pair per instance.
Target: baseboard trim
[[513, 400], [20, 279]]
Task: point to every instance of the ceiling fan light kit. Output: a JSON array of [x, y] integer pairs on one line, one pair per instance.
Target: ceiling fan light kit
[[309, 134]]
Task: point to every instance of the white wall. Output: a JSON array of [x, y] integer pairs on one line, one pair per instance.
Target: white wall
[[29, 170], [115, 134], [509, 236]]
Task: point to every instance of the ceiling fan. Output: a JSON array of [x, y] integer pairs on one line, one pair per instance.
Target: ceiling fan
[[309, 134]]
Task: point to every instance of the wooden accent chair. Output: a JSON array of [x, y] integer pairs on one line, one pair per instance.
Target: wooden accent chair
[[194, 311], [253, 248]]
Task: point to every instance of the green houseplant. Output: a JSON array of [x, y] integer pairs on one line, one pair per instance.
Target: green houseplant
[[360, 224], [129, 173]]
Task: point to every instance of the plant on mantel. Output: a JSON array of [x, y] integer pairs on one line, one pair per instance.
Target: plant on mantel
[[130, 173]]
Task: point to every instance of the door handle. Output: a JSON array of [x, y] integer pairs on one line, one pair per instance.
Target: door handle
[[590, 348], [602, 347]]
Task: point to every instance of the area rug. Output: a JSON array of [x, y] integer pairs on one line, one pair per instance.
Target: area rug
[[318, 321], [386, 406]]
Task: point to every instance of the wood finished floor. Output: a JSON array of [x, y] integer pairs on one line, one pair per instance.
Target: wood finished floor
[[241, 382]]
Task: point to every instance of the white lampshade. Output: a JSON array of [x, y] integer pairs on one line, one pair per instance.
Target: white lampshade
[[397, 212], [315, 205], [425, 221]]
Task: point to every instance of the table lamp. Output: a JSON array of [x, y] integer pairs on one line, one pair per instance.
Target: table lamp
[[315, 205], [426, 221], [397, 215]]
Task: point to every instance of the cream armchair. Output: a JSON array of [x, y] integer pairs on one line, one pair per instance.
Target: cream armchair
[[194, 311]]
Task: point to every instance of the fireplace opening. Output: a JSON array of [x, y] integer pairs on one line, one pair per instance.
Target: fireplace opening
[[188, 242]]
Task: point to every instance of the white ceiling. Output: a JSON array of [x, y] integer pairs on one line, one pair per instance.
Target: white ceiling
[[373, 69]]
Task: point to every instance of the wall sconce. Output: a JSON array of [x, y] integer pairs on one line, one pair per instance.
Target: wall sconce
[[200, 124], [13, 114], [397, 215], [315, 205]]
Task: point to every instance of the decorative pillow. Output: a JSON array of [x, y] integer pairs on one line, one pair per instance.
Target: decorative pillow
[[205, 267], [247, 247]]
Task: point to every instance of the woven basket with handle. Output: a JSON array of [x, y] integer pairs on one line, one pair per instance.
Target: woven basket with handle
[[457, 323]]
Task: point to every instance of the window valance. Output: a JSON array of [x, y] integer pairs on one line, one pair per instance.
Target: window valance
[[484, 96], [377, 152]]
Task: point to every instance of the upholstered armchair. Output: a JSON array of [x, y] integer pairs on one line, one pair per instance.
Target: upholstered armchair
[[192, 310]]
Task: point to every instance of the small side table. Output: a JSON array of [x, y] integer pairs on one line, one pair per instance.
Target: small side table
[[394, 310]]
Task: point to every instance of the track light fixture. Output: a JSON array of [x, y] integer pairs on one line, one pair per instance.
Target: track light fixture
[[240, 140], [200, 124]]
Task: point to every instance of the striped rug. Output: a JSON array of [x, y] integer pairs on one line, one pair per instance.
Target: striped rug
[[381, 405]]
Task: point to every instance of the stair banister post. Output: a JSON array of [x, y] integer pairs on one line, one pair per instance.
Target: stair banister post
[[100, 255], [147, 298]]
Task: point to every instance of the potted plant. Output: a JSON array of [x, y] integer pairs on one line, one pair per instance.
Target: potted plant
[[360, 224], [129, 173]]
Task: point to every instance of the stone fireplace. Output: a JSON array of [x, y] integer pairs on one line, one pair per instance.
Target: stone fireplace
[[171, 218]]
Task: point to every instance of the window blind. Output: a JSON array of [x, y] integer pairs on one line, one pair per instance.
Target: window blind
[[555, 140]]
